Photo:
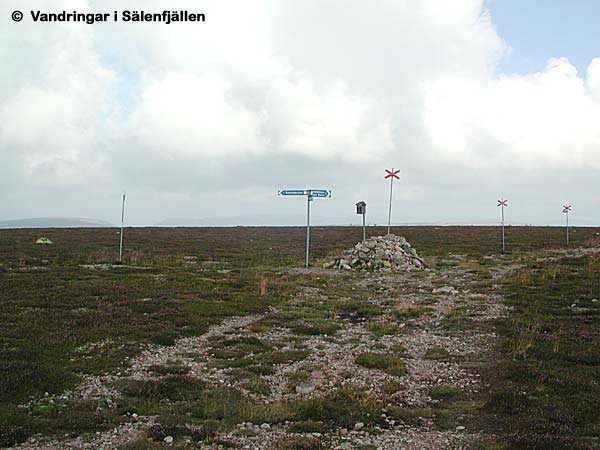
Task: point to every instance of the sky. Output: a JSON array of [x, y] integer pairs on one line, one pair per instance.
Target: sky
[[472, 100]]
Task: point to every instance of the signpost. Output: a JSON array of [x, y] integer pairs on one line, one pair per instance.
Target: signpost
[[566, 210], [310, 194], [391, 174], [503, 203], [122, 220], [361, 208]]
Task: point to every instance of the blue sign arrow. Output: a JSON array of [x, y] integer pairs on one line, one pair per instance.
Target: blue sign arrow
[[320, 193], [292, 192], [311, 194]]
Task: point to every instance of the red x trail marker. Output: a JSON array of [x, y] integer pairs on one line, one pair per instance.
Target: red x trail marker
[[392, 173]]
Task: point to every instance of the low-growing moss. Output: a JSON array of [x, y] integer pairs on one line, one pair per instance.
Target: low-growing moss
[[437, 354], [380, 329], [142, 444], [357, 310], [257, 386], [387, 362], [173, 388], [444, 392], [315, 327], [301, 443], [411, 312], [281, 357], [308, 426], [391, 388], [458, 319], [175, 369], [411, 416]]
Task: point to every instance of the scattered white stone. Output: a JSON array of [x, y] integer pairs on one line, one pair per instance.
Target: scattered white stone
[[305, 388], [446, 290], [379, 253]]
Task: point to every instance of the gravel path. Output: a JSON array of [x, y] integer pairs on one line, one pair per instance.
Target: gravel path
[[330, 360]]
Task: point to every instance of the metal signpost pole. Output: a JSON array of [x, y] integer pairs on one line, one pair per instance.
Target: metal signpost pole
[[311, 194], [391, 174], [361, 208], [122, 221], [390, 210], [567, 228], [309, 199], [566, 210], [364, 229], [502, 203], [503, 241]]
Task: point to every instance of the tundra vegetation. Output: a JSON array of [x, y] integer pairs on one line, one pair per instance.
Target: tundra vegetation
[[217, 337]]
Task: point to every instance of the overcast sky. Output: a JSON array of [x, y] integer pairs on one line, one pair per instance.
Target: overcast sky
[[471, 100]]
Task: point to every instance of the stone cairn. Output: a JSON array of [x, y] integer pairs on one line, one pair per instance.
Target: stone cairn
[[389, 253]]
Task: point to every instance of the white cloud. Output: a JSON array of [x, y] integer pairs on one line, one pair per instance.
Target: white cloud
[[271, 84], [194, 115], [329, 123], [593, 78], [546, 119], [54, 96]]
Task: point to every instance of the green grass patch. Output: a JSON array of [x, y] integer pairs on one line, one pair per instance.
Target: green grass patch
[[172, 388], [545, 386], [315, 327], [387, 362], [357, 310], [380, 329], [437, 354], [458, 319], [444, 392], [257, 386], [411, 312]]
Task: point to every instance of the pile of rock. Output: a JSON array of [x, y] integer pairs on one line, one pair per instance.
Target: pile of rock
[[379, 253]]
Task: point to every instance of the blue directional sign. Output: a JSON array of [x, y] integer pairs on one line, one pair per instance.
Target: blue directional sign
[[320, 193], [310, 194], [293, 192]]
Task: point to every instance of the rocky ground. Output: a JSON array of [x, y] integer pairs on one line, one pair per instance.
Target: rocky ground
[[388, 253], [435, 322]]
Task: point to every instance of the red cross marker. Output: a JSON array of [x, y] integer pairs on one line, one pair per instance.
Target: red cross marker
[[392, 173], [567, 208], [502, 202]]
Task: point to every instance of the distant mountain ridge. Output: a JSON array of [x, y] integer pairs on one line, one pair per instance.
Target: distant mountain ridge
[[258, 220], [55, 222]]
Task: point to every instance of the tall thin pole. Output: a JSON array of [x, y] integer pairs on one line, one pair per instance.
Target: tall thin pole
[[122, 221], [308, 227], [390, 210], [503, 243], [364, 231], [567, 212]]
